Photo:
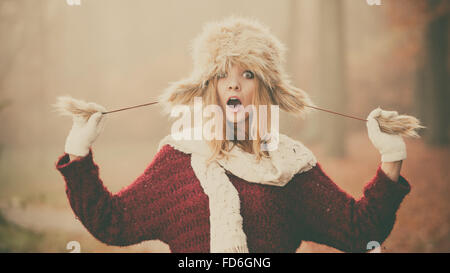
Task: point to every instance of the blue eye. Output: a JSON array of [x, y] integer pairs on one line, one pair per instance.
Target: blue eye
[[249, 74]]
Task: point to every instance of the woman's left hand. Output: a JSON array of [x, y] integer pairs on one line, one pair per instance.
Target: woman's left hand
[[391, 147]]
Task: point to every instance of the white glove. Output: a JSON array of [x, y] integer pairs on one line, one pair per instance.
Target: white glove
[[391, 147], [84, 132]]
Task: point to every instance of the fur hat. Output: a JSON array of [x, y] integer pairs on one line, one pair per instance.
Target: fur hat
[[242, 41]]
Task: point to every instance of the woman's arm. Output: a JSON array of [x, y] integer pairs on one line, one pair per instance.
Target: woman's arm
[[128, 217], [392, 169], [327, 215]]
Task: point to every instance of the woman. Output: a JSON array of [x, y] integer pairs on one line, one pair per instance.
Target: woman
[[232, 194]]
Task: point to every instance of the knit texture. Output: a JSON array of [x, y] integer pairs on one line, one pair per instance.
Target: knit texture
[[168, 203], [289, 158]]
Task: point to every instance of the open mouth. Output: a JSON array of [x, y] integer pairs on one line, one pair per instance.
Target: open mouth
[[234, 104]]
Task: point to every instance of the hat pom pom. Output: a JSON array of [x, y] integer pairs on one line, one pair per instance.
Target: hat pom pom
[[402, 125], [69, 106]]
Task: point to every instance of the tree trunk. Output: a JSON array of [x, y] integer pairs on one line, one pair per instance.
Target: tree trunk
[[331, 78], [432, 95]]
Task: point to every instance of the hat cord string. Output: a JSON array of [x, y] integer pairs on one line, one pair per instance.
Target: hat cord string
[[150, 103]]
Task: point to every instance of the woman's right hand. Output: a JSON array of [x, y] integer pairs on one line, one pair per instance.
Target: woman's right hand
[[84, 132], [391, 147]]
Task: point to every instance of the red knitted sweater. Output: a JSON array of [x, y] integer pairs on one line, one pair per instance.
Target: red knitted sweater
[[168, 203]]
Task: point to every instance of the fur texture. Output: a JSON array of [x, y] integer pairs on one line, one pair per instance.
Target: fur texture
[[404, 125], [244, 42], [69, 106]]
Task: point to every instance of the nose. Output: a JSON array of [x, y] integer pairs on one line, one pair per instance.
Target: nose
[[233, 85]]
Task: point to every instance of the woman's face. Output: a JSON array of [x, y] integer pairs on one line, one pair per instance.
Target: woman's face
[[236, 89]]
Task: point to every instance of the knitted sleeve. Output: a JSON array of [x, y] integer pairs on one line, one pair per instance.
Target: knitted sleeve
[[128, 217], [327, 215]]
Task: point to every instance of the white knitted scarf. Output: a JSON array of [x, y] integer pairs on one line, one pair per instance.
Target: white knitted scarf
[[227, 234]]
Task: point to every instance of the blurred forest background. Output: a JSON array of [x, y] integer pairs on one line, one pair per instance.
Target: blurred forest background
[[350, 56]]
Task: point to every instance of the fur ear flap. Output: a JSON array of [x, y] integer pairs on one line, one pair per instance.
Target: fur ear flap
[[292, 99], [182, 92]]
